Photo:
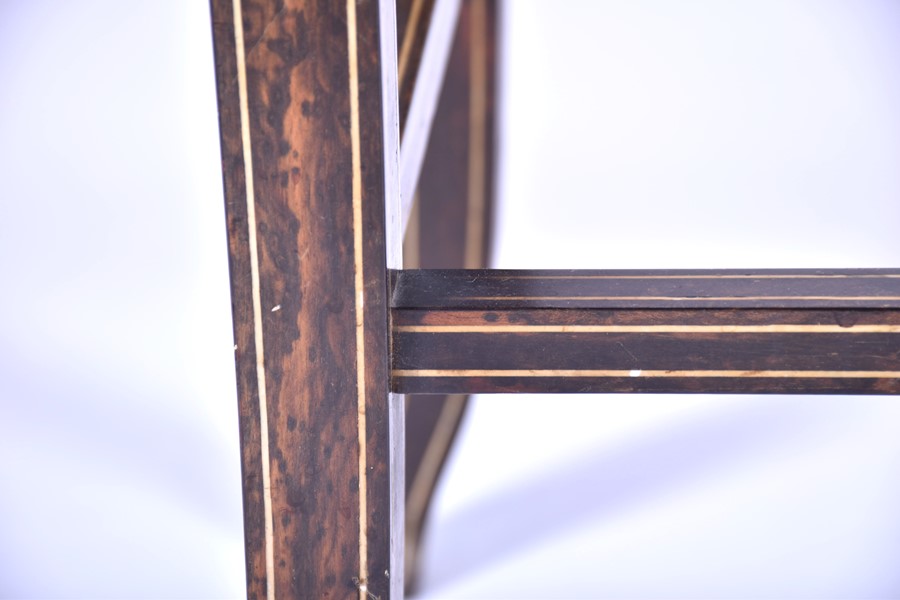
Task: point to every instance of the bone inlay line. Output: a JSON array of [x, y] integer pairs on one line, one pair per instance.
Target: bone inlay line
[[773, 328], [359, 292], [675, 298], [434, 451], [641, 373], [412, 23], [257, 303], [412, 240], [718, 276], [441, 438], [474, 235]]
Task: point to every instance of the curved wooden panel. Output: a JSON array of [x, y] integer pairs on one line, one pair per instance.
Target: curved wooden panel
[[450, 227]]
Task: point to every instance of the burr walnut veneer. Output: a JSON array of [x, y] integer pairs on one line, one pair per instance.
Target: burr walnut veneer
[[330, 328]]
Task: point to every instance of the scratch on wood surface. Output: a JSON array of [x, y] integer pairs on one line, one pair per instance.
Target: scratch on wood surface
[[262, 34], [627, 351]]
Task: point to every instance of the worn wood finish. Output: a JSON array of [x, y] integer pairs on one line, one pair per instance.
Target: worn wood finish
[[450, 228], [666, 331], [307, 96]]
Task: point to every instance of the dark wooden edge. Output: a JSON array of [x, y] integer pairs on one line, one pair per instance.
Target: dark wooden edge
[[241, 296], [772, 288], [800, 332]]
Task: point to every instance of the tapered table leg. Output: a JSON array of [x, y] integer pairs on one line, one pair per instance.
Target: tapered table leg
[[308, 98]]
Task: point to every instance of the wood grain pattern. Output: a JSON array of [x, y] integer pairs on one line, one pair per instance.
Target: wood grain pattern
[[306, 152], [689, 331], [234, 180]]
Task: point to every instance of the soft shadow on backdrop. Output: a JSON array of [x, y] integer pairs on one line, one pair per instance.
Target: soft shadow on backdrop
[[636, 134], [691, 134]]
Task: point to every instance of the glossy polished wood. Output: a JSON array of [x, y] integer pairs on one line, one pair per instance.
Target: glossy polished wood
[[307, 96], [663, 332]]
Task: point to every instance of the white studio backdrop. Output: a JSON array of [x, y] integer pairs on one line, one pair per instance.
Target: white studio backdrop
[[635, 134], [689, 134], [119, 458]]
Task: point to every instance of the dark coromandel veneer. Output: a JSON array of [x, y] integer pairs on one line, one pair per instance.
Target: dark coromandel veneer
[[344, 124]]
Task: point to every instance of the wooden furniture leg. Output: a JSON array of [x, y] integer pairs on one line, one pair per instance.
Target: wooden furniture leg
[[310, 145]]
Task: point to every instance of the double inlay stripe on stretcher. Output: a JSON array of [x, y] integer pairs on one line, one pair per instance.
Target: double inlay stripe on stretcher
[[676, 331]]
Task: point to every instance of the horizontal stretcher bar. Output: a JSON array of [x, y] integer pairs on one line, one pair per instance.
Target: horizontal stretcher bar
[[773, 331]]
